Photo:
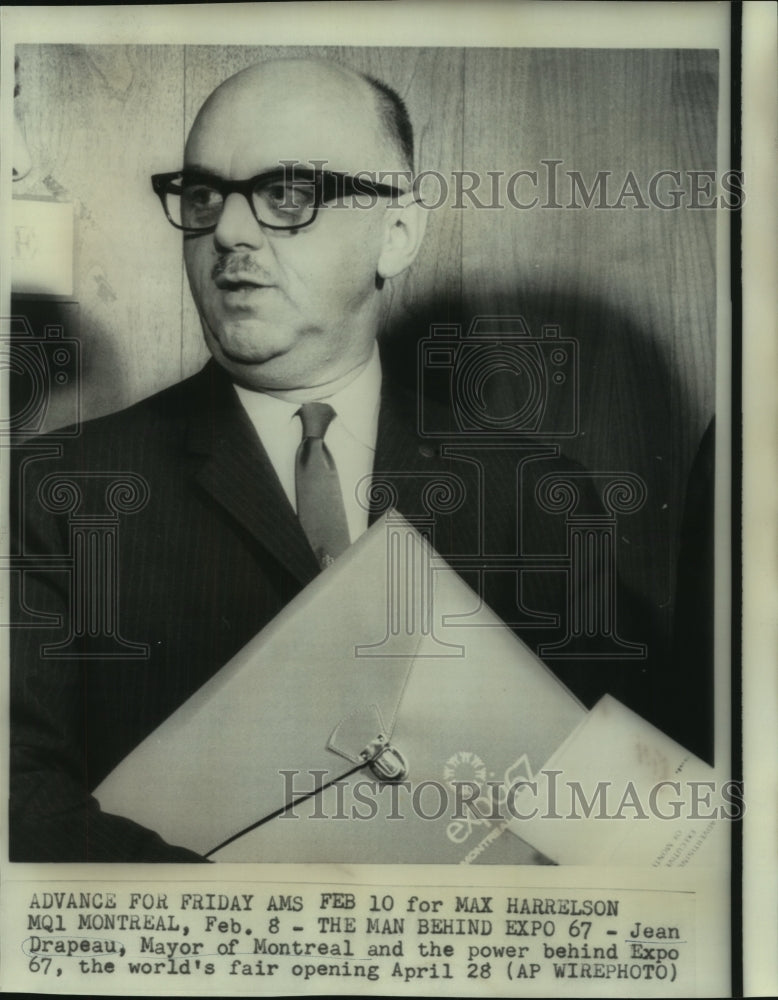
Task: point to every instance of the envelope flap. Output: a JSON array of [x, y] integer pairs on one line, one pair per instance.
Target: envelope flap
[[268, 715], [387, 658], [357, 732]]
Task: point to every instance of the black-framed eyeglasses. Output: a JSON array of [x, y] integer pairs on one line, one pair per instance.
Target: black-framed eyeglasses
[[281, 198]]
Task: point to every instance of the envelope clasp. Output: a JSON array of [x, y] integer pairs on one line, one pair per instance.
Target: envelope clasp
[[355, 731], [385, 761]]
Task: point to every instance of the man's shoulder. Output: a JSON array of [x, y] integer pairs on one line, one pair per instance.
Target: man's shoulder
[[441, 429], [157, 420], [148, 436], [171, 405]]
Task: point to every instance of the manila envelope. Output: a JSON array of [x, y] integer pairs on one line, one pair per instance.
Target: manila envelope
[[389, 691]]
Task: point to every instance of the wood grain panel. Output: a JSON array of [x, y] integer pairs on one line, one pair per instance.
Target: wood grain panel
[[635, 286], [694, 90], [93, 114]]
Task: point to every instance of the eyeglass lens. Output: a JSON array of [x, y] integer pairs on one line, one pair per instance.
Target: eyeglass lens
[[282, 203]]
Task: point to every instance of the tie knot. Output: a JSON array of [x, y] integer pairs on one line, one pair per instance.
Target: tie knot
[[316, 419]]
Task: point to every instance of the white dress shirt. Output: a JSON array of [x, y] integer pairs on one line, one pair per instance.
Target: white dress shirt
[[350, 437]]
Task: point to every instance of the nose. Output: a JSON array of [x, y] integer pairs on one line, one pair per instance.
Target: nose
[[22, 164], [237, 226]]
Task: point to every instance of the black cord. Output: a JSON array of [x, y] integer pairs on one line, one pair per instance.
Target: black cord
[[283, 809]]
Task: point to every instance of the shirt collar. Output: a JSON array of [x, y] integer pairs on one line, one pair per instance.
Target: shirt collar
[[356, 405]]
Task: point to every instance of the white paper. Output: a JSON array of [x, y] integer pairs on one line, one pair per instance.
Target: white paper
[[620, 792], [41, 230]]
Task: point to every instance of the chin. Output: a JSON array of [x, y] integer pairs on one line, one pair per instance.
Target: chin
[[248, 346], [254, 369], [259, 358]]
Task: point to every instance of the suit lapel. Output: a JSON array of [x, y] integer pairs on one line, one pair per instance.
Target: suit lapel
[[404, 459], [232, 466], [235, 471], [422, 476]]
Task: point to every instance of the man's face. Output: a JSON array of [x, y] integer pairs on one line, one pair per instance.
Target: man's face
[[287, 310]]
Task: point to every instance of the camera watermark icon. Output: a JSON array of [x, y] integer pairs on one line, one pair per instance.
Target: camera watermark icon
[[499, 381], [38, 368]]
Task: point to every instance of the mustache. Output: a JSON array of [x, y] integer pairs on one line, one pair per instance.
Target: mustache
[[242, 264]]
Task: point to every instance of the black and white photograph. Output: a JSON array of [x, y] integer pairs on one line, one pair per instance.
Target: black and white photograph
[[371, 550]]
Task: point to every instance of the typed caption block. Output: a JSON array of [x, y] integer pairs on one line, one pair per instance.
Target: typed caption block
[[325, 938]]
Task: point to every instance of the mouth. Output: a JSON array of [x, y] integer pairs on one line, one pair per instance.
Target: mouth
[[239, 283]]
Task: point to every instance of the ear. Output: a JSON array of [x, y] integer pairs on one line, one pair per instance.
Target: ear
[[405, 223]]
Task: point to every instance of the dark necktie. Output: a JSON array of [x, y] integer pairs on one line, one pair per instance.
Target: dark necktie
[[319, 498]]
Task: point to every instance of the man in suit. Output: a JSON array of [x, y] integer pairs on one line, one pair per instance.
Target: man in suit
[[288, 256]]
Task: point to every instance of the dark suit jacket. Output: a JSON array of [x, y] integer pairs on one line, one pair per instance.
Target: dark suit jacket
[[211, 556]]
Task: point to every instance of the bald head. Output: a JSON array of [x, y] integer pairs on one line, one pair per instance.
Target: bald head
[[296, 308], [306, 110]]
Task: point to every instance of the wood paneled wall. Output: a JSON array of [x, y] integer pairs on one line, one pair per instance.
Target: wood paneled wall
[[635, 287]]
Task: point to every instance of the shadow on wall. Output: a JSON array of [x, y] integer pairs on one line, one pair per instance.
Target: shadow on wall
[[51, 367], [632, 418], [628, 419]]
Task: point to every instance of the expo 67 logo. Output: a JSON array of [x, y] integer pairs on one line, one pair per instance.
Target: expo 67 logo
[[481, 801]]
